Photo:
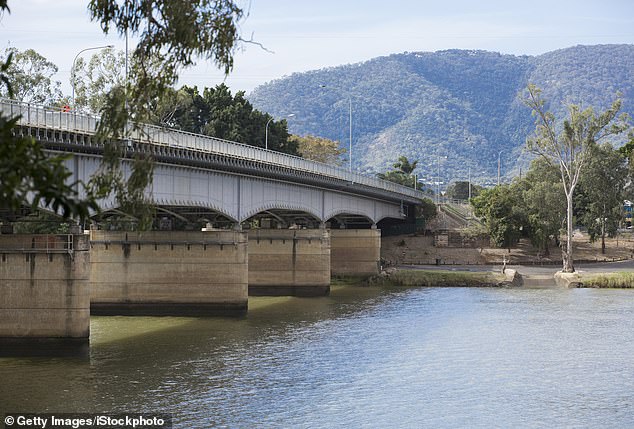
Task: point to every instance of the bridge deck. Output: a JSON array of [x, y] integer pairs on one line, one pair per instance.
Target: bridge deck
[[165, 141]]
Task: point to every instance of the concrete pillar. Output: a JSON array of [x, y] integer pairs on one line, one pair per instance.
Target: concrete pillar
[[355, 252], [44, 294], [191, 273], [291, 262]]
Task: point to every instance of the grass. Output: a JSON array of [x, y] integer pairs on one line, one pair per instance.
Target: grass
[[620, 280], [442, 278]]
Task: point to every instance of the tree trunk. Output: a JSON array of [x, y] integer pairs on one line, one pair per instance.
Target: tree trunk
[[567, 254]]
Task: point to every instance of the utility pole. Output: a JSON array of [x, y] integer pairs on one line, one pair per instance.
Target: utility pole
[[499, 153], [469, 183]]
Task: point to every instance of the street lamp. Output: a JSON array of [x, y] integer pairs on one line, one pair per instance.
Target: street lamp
[[72, 72], [499, 153], [266, 130], [350, 128]]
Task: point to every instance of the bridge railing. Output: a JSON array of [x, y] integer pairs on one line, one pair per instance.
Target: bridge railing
[[59, 119]]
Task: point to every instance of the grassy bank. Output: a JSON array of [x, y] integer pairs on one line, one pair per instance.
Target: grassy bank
[[437, 278], [621, 280]]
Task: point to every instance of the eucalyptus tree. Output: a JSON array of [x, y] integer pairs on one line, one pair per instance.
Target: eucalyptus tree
[[31, 77], [29, 176], [93, 79], [170, 36], [567, 145]]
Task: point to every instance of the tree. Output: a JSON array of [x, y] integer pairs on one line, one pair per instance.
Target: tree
[[218, 113], [405, 166], [460, 190], [502, 213], [319, 149], [601, 187], [427, 209], [171, 35], [29, 176], [30, 75], [542, 197], [93, 80], [568, 147], [401, 172]]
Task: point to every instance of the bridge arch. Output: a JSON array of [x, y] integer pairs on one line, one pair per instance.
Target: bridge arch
[[284, 215]]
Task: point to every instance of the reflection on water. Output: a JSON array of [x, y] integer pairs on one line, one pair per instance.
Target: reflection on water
[[361, 357]]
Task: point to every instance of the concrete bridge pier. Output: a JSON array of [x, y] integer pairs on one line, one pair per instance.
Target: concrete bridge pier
[[355, 252], [159, 273], [44, 294], [289, 262]]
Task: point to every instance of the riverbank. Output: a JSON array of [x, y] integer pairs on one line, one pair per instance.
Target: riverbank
[[445, 278], [420, 250]]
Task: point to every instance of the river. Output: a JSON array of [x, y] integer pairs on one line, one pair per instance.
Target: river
[[362, 357]]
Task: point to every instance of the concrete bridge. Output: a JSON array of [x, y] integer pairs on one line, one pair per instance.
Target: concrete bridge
[[275, 224]]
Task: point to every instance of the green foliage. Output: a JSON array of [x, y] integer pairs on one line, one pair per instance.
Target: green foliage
[[31, 177], [401, 172], [41, 222], [502, 213], [218, 113], [543, 200], [621, 280], [94, 80], [30, 75], [441, 278], [171, 35], [601, 193], [570, 147], [460, 190], [427, 209], [319, 149]]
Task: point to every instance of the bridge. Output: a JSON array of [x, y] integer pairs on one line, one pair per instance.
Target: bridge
[[224, 182], [274, 224]]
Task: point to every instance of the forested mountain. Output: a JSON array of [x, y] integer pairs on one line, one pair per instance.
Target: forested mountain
[[450, 110]]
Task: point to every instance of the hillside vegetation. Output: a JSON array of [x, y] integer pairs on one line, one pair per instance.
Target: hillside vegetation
[[451, 110]]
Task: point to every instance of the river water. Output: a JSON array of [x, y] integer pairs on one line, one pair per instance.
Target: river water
[[362, 357]]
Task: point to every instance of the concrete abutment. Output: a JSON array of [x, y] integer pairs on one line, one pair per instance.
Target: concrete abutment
[[44, 294], [285, 262], [164, 273], [355, 252]]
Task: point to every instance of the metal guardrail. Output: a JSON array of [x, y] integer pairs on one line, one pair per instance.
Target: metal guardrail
[[37, 243], [58, 119]]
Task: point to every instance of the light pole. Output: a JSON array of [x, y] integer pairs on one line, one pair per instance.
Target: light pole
[[350, 122], [499, 153], [469, 184], [438, 182], [266, 130], [349, 128], [72, 72]]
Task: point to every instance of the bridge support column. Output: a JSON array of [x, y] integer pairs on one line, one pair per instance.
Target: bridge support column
[[355, 252], [285, 262], [169, 273], [44, 294]]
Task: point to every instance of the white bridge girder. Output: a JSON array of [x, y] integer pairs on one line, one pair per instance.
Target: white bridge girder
[[240, 197]]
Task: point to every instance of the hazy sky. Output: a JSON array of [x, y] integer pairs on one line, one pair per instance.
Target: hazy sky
[[311, 34]]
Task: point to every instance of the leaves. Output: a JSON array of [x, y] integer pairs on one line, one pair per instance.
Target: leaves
[[33, 178], [319, 149], [30, 75]]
